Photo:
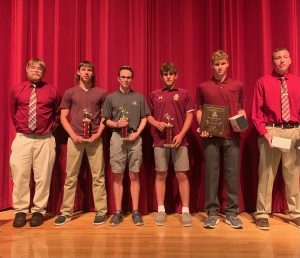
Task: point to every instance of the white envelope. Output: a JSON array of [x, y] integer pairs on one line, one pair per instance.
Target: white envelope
[[283, 143]]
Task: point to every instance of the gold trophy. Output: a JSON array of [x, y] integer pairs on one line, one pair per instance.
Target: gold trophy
[[169, 131], [124, 130], [86, 124]]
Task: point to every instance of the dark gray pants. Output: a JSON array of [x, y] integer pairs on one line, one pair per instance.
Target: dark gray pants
[[213, 147]]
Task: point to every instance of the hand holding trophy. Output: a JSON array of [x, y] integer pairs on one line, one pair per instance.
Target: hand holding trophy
[[169, 131], [86, 124], [124, 129]]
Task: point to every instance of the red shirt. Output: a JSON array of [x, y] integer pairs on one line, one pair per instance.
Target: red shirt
[[267, 104], [176, 102], [47, 107], [76, 100], [227, 93]]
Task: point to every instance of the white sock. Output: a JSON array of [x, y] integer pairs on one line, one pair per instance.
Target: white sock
[[185, 210], [161, 208]]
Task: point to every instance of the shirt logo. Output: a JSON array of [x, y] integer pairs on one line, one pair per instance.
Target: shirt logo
[[176, 97], [160, 97], [134, 103]]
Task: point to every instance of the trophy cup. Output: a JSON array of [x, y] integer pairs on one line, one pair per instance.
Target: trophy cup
[[169, 131], [124, 130], [86, 124]]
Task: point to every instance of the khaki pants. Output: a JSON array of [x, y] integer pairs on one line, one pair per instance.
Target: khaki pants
[[268, 166], [35, 152], [94, 153]]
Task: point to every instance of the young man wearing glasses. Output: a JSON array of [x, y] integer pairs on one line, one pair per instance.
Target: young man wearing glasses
[[125, 113]]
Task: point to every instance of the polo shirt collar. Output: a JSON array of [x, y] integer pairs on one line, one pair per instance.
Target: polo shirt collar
[[174, 88], [119, 90], [218, 82], [85, 89]]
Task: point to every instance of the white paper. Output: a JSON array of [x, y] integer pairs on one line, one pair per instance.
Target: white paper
[[283, 143]]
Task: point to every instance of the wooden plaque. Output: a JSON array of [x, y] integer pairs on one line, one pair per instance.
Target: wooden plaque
[[214, 120]]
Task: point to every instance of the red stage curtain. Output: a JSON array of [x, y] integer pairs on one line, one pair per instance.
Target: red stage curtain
[[144, 34]]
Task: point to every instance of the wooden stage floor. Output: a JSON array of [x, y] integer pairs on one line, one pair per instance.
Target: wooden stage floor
[[80, 238]]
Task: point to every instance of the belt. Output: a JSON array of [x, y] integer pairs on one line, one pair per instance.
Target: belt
[[284, 125], [35, 136]]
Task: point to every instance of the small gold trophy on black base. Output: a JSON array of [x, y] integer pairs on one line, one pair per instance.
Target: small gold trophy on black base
[[86, 125], [124, 130], [169, 131]]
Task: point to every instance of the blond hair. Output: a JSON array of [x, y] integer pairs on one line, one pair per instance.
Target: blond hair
[[218, 55], [38, 61]]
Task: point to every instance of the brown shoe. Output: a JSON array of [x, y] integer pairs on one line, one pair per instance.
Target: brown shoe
[[20, 220], [262, 223], [295, 222], [37, 219]]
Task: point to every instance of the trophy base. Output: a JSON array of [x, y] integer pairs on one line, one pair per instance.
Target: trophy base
[[168, 145]]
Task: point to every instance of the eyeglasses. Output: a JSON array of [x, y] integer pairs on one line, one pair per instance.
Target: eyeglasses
[[123, 78]]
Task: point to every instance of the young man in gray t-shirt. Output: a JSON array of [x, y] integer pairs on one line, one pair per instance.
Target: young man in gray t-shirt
[[125, 112]]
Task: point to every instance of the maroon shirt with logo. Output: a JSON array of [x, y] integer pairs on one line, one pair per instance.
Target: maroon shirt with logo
[[48, 101], [177, 103], [227, 93], [76, 100]]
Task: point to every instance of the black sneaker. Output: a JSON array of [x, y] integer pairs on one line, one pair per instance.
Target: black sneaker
[[99, 219], [137, 218], [62, 219], [116, 219], [211, 221], [234, 222]]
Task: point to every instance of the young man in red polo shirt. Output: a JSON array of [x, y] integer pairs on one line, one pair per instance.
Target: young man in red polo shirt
[[174, 105], [222, 91]]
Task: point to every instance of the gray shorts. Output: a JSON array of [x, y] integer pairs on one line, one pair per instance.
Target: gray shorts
[[179, 155], [125, 152]]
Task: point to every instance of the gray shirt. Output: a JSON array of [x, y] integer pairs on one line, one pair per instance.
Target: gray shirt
[[134, 103]]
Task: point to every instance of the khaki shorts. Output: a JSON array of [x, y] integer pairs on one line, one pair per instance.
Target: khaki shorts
[[179, 155], [125, 152]]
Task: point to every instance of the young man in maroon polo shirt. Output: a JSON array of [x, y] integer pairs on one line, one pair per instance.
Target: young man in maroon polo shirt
[[272, 116], [83, 102], [222, 91], [174, 105], [35, 114]]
